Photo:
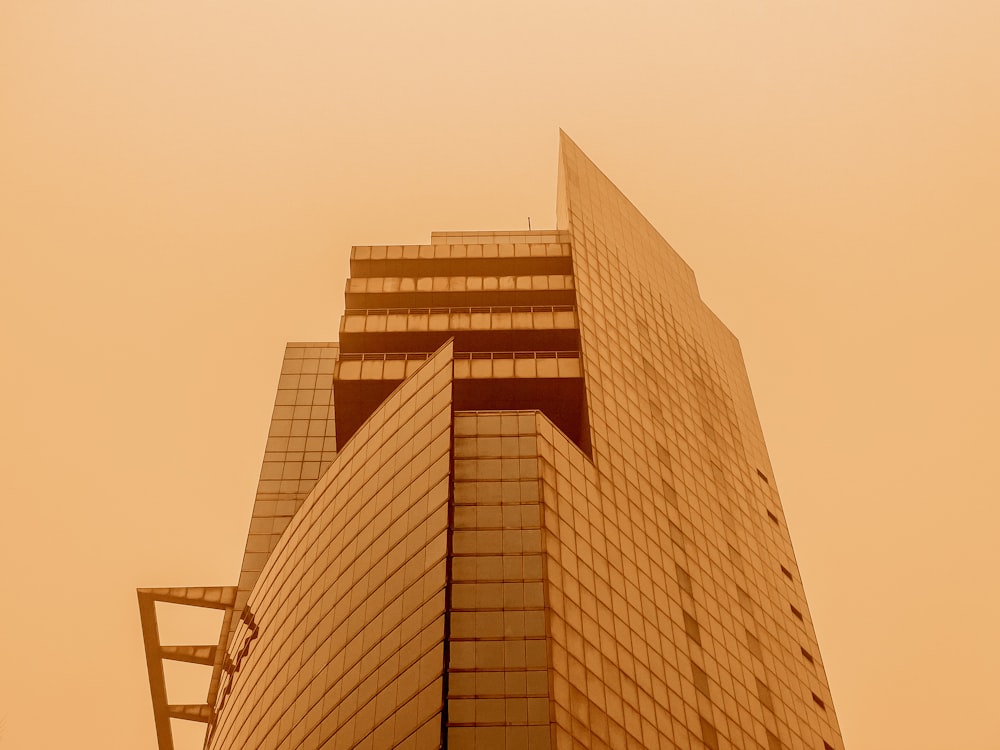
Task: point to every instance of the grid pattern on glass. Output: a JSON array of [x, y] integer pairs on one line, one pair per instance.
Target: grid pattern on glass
[[498, 661], [671, 531], [341, 643], [301, 445]]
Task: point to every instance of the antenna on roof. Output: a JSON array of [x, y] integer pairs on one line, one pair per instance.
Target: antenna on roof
[[529, 223]]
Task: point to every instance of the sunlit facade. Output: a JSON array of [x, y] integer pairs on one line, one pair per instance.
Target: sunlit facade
[[523, 502]]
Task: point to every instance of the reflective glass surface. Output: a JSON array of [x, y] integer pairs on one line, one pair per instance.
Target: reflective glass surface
[[670, 614], [498, 684], [341, 643]]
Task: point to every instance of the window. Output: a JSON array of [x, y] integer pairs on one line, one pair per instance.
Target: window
[[683, 579], [795, 611], [708, 734], [744, 598], [700, 678], [691, 628], [764, 693]]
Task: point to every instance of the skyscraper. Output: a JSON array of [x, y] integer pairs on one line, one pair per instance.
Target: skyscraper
[[524, 502]]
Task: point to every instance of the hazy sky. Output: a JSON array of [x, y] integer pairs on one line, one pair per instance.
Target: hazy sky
[[180, 185]]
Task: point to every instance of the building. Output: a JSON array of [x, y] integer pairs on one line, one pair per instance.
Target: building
[[524, 502]]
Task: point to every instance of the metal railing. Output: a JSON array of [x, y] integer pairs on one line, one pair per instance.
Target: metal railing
[[390, 356], [467, 310]]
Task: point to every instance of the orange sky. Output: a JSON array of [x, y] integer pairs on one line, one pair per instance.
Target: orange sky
[[180, 184]]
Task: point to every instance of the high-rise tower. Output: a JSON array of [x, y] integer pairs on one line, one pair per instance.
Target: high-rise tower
[[524, 503]]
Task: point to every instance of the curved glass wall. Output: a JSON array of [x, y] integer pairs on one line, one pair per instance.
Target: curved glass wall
[[341, 643]]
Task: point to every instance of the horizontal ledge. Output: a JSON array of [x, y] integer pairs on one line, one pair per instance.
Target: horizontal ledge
[[190, 712], [212, 597], [391, 356], [460, 310], [191, 654]]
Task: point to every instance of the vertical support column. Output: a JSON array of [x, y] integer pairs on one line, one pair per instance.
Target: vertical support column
[[217, 597], [498, 680]]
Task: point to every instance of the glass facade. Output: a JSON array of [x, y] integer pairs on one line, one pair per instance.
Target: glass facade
[[498, 686], [674, 535], [524, 502], [343, 634], [301, 445]]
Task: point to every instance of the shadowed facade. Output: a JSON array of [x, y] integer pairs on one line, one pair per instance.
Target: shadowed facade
[[524, 502]]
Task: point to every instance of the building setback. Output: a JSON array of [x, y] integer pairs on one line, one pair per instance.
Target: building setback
[[524, 502]]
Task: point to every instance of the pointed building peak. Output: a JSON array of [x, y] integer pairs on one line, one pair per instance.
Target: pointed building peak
[[564, 138]]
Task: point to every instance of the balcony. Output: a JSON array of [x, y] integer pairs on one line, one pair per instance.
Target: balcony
[[458, 291], [498, 259], [527, 328], [468, 365]]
